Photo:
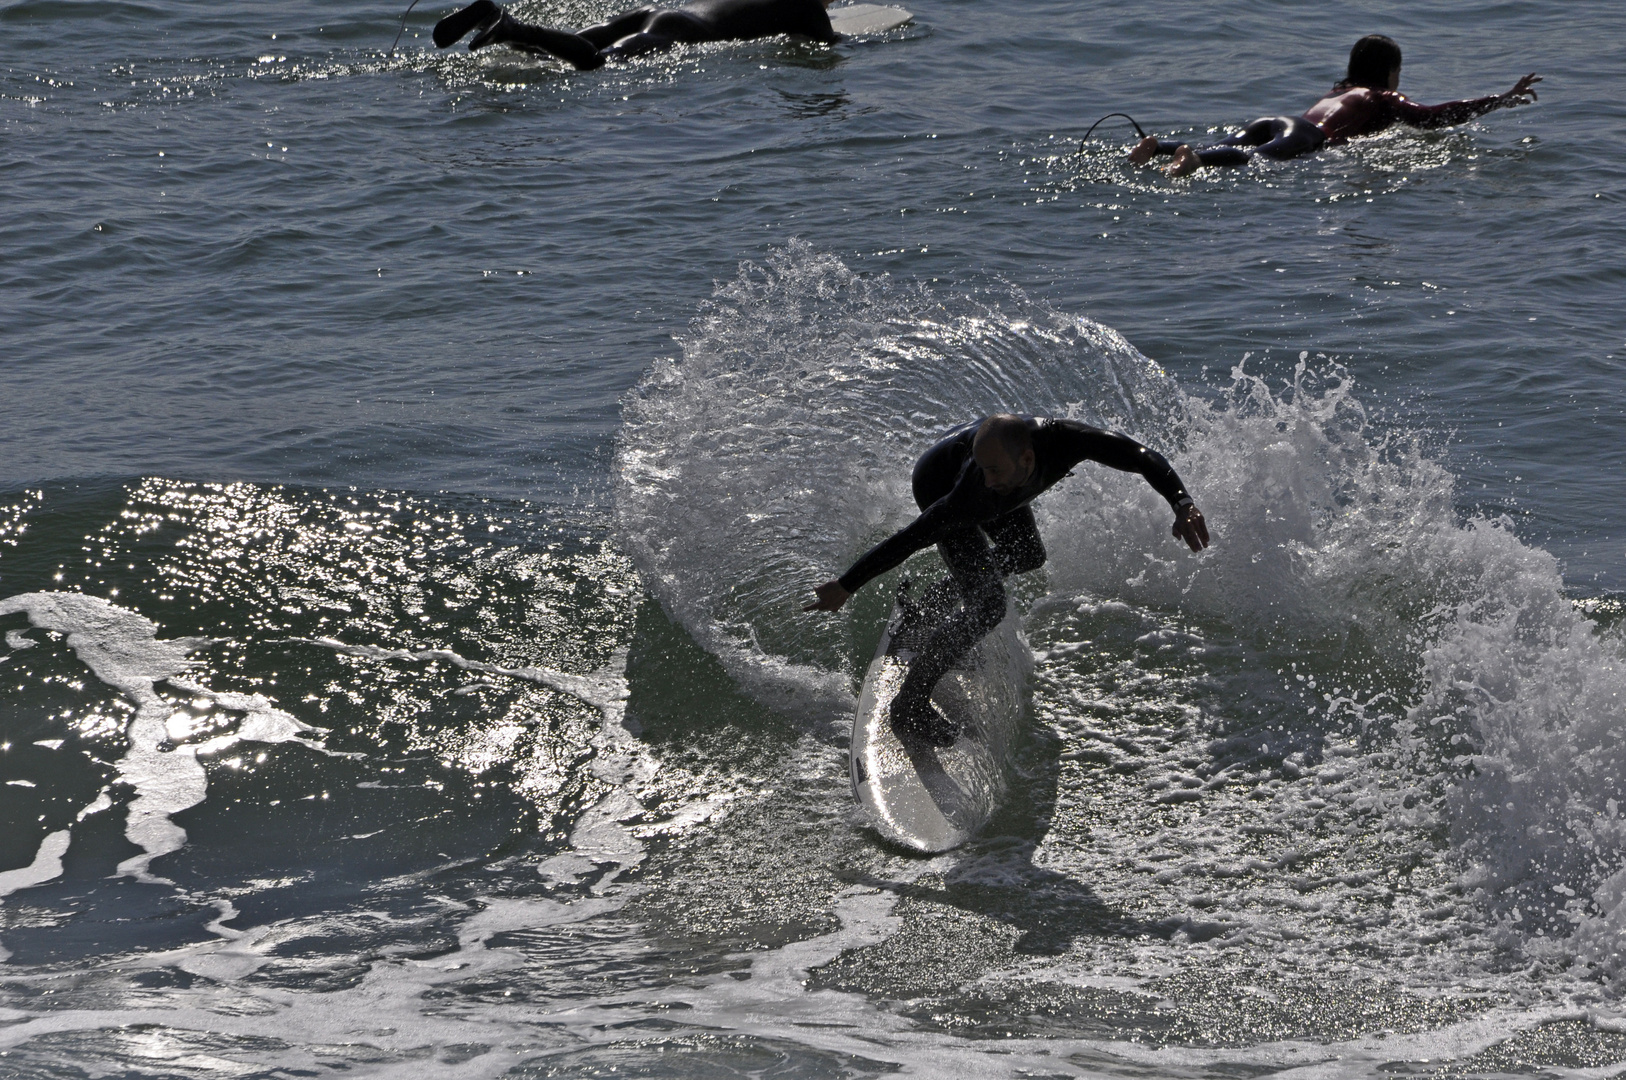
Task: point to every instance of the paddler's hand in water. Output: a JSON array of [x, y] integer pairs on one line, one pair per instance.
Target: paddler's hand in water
[[1523, 89], [830, 597], [1190, 527]]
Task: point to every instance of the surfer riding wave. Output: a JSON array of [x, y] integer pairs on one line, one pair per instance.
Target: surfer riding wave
[[636, 33], [1365, 102], [974, 489]]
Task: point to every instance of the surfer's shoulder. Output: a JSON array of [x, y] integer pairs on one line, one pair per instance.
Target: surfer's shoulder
[[1062, 426]]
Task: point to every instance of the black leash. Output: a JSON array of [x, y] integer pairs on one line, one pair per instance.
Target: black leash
[[1138, 129], [414, 4]]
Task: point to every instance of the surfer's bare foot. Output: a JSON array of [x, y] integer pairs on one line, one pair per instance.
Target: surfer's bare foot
[[1144, 151], [1185, 162]]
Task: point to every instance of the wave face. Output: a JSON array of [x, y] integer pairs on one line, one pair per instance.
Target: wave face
[[1393, 724]]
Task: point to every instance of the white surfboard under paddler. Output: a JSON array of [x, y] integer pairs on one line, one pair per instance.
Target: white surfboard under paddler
[[925, 798], [856, 20]]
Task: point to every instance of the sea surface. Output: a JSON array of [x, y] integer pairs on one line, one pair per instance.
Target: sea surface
[[412, 463]]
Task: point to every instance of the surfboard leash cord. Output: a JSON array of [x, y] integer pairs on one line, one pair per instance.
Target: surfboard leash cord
[[414, 4], [1138, 129]]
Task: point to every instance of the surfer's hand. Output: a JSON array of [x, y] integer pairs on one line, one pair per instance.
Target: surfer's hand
[[1521, 89], [1190, 527], [830, 597]]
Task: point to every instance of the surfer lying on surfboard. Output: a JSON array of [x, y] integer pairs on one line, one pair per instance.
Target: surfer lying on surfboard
[[974, 488], [638, 32], [1364, 103]]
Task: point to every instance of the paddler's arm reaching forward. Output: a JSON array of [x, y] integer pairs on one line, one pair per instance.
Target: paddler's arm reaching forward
[[1001, 470]]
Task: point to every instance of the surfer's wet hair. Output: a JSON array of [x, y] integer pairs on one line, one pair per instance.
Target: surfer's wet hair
[[1371, 61], [1010, 431]]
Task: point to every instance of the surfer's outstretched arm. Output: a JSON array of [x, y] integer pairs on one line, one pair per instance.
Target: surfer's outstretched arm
[[1074, 442], [935, 522], [1459, 112]]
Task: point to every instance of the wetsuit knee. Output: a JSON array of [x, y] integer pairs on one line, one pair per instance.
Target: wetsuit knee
[[1027, 561]]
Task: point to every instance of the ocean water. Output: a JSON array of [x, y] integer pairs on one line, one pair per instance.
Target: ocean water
[[411, 465]]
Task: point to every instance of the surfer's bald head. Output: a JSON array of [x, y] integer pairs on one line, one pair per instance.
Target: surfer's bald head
[[1003, 447], [1010, 433]]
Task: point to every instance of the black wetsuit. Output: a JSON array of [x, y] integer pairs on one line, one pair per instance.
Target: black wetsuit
[[984, 535], [1279, 137], [651, 29]]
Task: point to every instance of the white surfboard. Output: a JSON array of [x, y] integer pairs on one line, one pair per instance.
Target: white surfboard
[[856, 20], [931, 799]]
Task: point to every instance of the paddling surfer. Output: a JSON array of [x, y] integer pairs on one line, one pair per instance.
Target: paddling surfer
[[638, 32], [1365, 102], [973, 489]]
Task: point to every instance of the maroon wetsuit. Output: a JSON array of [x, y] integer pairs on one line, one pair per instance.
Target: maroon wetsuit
[[1345, 113]]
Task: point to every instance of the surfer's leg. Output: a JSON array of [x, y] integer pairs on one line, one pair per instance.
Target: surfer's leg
[[982, 605], [922, 613], [451, 29], [1278, 137], [1187, 161], [1291, 136], [1017, 546], [606, 34], [639, 44], [1152, 146], [1017, 549], [573, 49], [661, 31]]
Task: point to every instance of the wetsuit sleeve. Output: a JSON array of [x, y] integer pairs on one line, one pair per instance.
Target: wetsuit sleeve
[[1075, 442], [1443, 115], [938, 519]]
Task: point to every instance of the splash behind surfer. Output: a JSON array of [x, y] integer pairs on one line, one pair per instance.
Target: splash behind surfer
[[1365, 102], [974, 488], [638, 32]]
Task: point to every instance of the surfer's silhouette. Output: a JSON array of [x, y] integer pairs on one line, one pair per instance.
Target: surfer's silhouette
[[973, 489], [1364, 102], [638, 32]]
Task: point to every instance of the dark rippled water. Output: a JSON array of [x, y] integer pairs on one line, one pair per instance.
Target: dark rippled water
[[409, 463]]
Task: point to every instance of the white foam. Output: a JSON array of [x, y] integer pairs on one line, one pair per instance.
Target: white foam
[[47, 864], [607, 839], [123, 650]]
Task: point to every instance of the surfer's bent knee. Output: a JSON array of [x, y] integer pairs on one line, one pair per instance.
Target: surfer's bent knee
[[1028, 562]]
